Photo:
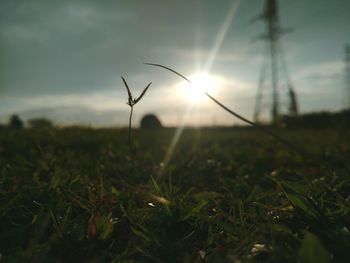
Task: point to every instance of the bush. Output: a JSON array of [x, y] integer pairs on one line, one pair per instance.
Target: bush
[[150, 121]]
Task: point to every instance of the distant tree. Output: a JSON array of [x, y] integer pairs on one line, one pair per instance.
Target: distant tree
[[319, 120], [15, 122], [150, 121], [40, 123]]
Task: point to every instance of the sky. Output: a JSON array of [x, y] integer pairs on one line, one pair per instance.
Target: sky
[[64, 59]]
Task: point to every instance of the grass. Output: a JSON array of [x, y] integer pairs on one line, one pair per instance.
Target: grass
[[67, 195], [132, 102]]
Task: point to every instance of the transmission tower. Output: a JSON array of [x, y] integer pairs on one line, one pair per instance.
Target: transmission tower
[[347, 75], [274, 64]]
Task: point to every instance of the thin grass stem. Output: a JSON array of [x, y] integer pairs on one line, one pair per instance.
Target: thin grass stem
[[130, 139]]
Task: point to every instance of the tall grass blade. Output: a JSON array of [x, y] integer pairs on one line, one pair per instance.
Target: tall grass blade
[[130, 99], [302, 152], [142, 94], [312, 250]]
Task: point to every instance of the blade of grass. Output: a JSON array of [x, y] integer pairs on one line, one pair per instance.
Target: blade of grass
[[143, 93], [128, 90], [291, 146]]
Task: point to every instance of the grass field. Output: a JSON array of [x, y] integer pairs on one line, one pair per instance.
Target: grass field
[[221, 195]]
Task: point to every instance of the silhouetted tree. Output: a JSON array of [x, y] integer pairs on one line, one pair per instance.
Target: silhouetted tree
[[15, 122], [150, 121]]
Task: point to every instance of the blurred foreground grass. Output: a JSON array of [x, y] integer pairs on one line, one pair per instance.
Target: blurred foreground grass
[[225, 195]]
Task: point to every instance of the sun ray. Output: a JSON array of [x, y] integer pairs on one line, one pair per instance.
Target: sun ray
[[221, 35], [207, 67], [176, 137]]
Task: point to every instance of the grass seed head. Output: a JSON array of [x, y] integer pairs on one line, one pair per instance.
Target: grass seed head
[[131, 101]]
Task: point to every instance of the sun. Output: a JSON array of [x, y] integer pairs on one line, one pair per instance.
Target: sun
[[201, 82]]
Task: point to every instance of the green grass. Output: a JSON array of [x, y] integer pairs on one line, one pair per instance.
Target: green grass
[[227, 195]]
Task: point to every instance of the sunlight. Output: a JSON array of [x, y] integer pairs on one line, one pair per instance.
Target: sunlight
[[221, 35], [201, 82]]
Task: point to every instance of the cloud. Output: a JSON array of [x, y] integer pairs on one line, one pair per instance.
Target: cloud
[[67, 52], [106, 100], [201, 54], [320, 86], [21, 33], [321, 82], [321, 70]]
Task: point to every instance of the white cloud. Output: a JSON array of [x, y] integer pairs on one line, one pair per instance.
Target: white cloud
[[22, 33], [83, 16], [237, 54], [106, 100], [320, 70]]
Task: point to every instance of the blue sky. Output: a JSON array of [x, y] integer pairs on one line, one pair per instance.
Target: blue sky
[[66, 54]]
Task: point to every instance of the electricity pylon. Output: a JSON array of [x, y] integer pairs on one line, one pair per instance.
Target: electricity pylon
[[273, 61]]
